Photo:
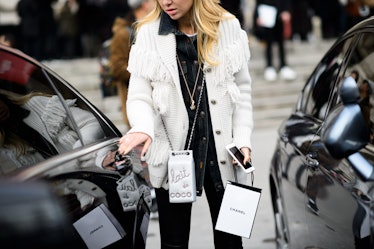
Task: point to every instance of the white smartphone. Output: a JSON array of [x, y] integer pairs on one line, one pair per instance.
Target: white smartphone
[[239, 158]]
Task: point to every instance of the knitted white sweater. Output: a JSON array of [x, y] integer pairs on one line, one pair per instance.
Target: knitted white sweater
[[48, 117], [155, 91]]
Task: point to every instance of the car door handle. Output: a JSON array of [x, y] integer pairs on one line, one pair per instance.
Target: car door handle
[[311, 161]]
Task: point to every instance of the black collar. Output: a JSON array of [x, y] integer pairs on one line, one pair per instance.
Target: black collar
[[168, 25]]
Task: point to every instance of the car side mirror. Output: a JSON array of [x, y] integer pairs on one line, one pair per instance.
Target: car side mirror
[[345, 131], [349, 92]]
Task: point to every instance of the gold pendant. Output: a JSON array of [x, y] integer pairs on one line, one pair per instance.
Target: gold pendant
[[192, 106]]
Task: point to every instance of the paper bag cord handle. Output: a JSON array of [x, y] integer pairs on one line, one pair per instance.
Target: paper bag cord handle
[[252, 177]]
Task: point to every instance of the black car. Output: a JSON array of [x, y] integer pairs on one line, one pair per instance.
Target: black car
[[62, 182], [322, 169]]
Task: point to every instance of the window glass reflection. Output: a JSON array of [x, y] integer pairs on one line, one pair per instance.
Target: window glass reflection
[[319, 87], [360, 67], [36, 122]]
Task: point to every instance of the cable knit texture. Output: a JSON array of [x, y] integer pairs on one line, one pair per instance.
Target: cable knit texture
[[155, 92], [48, 117]]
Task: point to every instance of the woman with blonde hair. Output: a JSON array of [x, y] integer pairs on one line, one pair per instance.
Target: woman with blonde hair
[[189, 75]]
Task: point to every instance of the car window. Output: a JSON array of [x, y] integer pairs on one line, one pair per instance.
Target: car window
[[39, 115], [316, 93], [360, 65]]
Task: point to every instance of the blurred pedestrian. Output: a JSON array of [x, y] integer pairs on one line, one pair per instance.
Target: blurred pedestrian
[[272, 24], [30, 31], [301, 19], [120, 48], [355, 11], [189, 75], [330, 13], [38, 28], [7, 40], [48, 29], [234, 7], [90, 16], [68, 29]]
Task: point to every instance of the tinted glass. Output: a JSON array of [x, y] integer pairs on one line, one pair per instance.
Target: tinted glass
[[39, 115], [316, 92], [360, 64]]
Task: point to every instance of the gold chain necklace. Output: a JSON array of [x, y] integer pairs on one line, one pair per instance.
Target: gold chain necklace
[[192, 101]]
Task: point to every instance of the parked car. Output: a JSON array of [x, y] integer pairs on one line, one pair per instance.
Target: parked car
[[322, 169], [62, 182]]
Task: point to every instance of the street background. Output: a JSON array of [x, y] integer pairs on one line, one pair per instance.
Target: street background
[[272, 103]]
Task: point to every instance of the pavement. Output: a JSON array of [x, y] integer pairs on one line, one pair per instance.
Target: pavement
[[272, 102]]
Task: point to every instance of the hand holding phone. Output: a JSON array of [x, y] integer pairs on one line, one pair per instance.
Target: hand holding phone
[[238, 156]]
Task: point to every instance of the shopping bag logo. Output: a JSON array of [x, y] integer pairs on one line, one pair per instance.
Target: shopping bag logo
[[238, 209]]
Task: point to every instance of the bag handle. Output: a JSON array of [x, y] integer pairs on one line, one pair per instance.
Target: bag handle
[[252, 177]]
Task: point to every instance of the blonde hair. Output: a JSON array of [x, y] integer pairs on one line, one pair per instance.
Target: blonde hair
[[9, 139], [206, 15]]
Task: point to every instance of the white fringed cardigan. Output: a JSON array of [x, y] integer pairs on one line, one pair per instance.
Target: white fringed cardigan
[[155, 91]]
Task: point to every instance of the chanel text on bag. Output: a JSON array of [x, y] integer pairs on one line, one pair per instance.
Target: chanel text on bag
[[238, 209]]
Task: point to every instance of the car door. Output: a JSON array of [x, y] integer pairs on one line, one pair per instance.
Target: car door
[[340, 214], [297, 134], [299, 137]]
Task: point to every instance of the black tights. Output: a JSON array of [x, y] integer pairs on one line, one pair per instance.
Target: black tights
[[175, 220]]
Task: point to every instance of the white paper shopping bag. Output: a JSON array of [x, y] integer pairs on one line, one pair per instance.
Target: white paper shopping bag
[[268, 15], [99, 228], [238, 209]]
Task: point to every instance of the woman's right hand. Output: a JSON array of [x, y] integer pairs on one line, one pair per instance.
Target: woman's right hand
[[131, 140]]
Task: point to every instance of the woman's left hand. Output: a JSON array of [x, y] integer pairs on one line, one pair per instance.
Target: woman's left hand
[[247, 155]]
